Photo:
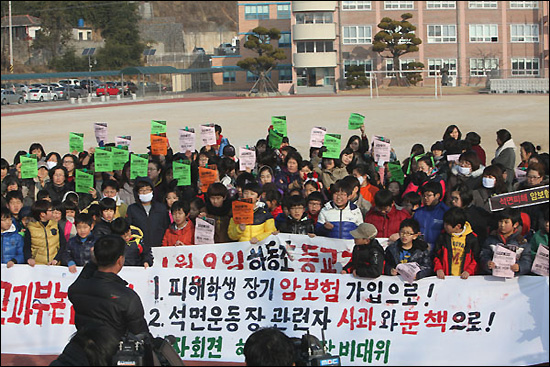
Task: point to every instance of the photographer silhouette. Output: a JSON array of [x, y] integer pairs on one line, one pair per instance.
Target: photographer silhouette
[[269, 347]]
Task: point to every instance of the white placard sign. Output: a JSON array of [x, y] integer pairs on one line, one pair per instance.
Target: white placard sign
[[204, 231], [100, 130], [540, 264], [317, 137], [503, 259], [187, 140], [247, 158], [408, 271], [381, 150], [208, 135], [124, 140]]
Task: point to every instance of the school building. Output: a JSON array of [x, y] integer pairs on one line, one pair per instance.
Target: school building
[[321, 39]]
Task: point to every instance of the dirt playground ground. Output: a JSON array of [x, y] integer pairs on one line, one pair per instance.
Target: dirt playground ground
[[405, 120]]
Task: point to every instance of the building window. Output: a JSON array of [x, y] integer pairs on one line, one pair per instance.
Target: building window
[[285, 74], [89, 35], [283, 11], [314, 18], [357, 35], [356, 5], [524, 66], [437, 64], [256, 12], [442, 33], [480, 67], [483, 33], [80, 36], [251, 77], [398, 5], [229, 77], [482, 4], [285, 40], [440, 4], [524, 4], [314, 46], [367, 65], [527, 33], [402, 62]]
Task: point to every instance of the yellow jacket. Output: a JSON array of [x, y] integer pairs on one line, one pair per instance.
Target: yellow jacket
[[44, 241], [263, 226]]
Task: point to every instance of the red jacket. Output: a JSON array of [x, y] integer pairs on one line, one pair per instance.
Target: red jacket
[[444, 251], [185, 235], [386, 224]]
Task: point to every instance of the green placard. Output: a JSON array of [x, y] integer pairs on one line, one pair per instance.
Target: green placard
[[396, 172], [120, 157], [279, 124], [76, 142], [275, 139], [103, 159], [158, 127], [138, 165], [84, 181], [355, 121], [29, 166], [332, 143], [182, 173]]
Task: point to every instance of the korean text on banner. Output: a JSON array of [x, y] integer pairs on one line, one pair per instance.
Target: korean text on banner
[[381, 150], [204, 231], [521, 198], [103, 159], [207, 176], [124, 140], [182, 172], [159, 145], [120, 157]]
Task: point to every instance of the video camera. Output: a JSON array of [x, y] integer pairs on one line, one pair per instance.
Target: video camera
[[143, 350], [310, 351]]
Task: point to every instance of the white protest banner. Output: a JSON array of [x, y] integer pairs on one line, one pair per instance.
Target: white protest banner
[[247, 158], [381, 149], [187, 140], [284, 252], [453, 158], [204, 231], [366, 321], [408, 271], [540, 264], [208, 135], [100, 129], [124, 140], [317, 137], [503, 259]]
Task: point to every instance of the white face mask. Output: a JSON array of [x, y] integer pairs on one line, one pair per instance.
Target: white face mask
[[145, 198], [464, 170], [361, 180], [51, 164], [488, 183]]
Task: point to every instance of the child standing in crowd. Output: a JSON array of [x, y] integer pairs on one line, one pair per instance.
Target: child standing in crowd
[[136, 253], [430, 215], [79, 248], [339, 217], [385, 216], [12, 241], [107, 207], [367, 259], [182, 231], [456, 248], [297, 222], [314, 202], [218, 207], [264, 224]]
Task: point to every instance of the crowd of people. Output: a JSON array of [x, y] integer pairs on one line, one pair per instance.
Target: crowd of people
[[436, 213]]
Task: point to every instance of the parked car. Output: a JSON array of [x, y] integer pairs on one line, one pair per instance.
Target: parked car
[[129, 87], [107, 89], [9, 97], [199, 50], [152, 87], [72, 82], [21, 88], [68, 92], [42, 95], [227, 49], [93, 83]]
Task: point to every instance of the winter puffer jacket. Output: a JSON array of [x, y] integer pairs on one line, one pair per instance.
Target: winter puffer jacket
[[444, 255], [420, 254], [386, 224], [78, 252], [516, 242], [302, 226], [264, 225], [344, 220], [137, 253], [12, 246], [186, 235], [366, 260], [430, 219], [44, 243]]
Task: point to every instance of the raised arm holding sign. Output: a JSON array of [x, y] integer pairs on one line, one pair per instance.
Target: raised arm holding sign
[[243, 212], [279, 124], [355, 121]]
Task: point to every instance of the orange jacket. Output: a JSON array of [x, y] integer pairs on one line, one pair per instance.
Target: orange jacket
[[185, 235]]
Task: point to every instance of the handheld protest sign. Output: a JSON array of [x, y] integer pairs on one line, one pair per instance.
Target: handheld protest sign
[[138, 165], [317, 137], [207, 176], [243, 212], [396, 172], [158, 127], [275, 139], [247, 158], [355, 121], [279, 124], [381, 149], [76, 142], [100, 130], [208, 135], [204, 231], [332, 143], [182, 173], [120, 157], [84, 181], [124, 140], [103, 159], [187, 140], [29, 166], [159, 145]]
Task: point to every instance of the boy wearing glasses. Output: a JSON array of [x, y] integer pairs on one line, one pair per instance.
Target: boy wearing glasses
[[44, 239], [430, 214], [409, 248]]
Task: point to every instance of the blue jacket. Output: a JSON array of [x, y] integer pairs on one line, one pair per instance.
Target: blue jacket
[[344, 220], [430, 219], [78, 251], [515, 242], [420, 254], [12, 246]]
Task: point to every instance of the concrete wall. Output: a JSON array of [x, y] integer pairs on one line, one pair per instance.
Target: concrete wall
[[206, 40]]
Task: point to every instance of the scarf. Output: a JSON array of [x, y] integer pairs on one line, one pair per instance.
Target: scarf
[[508, 144]]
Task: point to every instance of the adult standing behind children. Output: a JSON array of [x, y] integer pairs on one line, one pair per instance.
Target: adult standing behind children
[[148, 214], [506, 155]]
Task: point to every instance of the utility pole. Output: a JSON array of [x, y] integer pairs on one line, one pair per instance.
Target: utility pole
[[11, 38]]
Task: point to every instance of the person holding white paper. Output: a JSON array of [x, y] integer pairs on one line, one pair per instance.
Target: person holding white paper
[[409, 248], [508, 235]]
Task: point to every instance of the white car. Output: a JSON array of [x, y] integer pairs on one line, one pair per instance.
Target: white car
[[42, 95]]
